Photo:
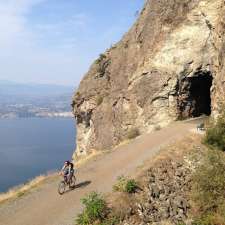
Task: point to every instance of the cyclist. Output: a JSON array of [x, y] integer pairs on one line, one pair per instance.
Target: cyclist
[[67, 171]]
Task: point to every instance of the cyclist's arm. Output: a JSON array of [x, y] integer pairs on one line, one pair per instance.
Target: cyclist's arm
[[69, 169], [63, 168]]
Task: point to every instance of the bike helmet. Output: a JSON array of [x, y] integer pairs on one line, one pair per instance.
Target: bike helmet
[[67, 162]]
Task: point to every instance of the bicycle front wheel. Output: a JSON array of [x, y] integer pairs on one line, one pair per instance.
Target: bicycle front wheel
[[61, 187]]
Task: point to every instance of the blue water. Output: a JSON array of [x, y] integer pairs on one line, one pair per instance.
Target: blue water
[[30, 147]]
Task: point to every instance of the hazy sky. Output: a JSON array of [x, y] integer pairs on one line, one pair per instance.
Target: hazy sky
[[55, 41]]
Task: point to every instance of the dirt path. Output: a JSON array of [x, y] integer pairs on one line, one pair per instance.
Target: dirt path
[[45, 207]]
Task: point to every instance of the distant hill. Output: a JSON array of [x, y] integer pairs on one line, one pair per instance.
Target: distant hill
[[34, 100], [8, 88]]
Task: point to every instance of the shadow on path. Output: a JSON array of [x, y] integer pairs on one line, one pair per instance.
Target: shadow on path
[[80, 185]]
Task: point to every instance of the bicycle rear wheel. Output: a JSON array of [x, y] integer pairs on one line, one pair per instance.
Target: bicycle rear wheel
[[72, 182], [61, 187]]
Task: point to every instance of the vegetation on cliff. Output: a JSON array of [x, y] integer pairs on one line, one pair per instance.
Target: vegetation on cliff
[[208, 191], [215, 135], [125, 184], [95, 211], [209, 178]]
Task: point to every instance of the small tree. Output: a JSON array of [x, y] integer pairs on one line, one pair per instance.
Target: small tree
[[95, 209], [215, 135], [133, 133], [125, 185]]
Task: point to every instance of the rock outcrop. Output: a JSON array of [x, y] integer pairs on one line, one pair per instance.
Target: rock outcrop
[[170, 65], [166, 197]]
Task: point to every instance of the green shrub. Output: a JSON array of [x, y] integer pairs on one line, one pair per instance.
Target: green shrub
[[99, 100], [101, 57], [95, 209], [215, 135], [82, 219], [20, 194], [120, 184], [110, 221], [131, 186], [125, 185], [157, 128], [209, 189], [133, 133]]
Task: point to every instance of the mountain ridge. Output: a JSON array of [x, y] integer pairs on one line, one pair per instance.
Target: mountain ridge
[[15, 88]]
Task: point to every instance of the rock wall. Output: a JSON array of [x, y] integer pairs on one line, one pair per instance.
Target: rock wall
[[150, 77], [219, 63]]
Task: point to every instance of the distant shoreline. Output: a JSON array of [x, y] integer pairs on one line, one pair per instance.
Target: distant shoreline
[[46, 115]]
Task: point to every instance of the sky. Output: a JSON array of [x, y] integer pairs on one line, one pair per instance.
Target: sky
[[55, 41]]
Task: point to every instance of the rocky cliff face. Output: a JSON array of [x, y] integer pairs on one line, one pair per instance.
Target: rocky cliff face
[[169, 65]]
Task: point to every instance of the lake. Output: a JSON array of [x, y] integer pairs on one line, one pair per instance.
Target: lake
[[30, 147]]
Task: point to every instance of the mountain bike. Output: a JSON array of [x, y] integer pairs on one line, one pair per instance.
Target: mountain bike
[[64, 184]]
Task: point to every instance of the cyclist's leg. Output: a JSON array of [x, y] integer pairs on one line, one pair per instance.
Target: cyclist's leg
[[65, 178], [69, 177], [71, 174]]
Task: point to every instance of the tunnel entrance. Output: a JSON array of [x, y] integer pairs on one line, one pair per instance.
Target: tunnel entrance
[[194, 98]]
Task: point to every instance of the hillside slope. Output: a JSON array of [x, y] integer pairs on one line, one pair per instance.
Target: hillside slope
[[169, 65], [44, 206]]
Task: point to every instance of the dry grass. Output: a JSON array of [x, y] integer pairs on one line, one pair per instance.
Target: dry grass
[[21, 190], [121, 203], [174, 151]]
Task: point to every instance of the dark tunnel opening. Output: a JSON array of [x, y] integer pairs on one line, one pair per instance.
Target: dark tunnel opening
[[194, 97], [201, 95]]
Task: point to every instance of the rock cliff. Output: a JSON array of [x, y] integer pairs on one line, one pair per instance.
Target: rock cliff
[[169, 65]]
